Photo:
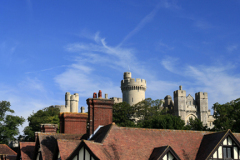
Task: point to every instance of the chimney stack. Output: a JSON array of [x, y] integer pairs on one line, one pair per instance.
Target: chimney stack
[[99, 112], [49, 128]]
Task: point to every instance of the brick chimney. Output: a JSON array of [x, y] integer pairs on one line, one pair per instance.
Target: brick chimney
[[49, 128], [99, 112], [73, 123]]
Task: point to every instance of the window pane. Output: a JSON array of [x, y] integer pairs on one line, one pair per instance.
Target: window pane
[[224, 152], [229, 154]]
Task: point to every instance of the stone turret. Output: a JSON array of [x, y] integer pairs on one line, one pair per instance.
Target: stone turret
[[133, 91], [180, 103], [71, 103]]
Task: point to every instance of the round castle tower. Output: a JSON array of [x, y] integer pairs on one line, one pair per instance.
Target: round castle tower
[[133, 91]]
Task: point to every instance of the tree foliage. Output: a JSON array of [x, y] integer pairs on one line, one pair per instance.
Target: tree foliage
[[167, 121], [46, 115], [195, 124], [146, 114], [8, 123], [123, 114], [227, 116]]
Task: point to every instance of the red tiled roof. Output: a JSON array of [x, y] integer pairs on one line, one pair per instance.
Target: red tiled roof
[[48, 143], [66, 147], [138, 143], [5, 150], [27, 150], [99, 150]]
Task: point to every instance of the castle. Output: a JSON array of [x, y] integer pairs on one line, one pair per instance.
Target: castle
[[133, 91], [186, 107]]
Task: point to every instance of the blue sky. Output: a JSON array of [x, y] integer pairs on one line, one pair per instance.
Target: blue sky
[[48, 48]]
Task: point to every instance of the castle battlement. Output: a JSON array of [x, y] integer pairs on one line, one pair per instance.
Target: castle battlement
[[134, 84], [201, 95], [179, 93]]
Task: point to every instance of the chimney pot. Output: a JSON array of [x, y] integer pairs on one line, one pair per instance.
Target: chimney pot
[[94, 95], [100, 94]]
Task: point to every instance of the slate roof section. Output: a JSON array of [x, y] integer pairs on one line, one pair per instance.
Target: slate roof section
[[27, 150], [66, 147], [5, 150], [209, 142], [49, 146], [138, 143], [157, 152], [101, 133]]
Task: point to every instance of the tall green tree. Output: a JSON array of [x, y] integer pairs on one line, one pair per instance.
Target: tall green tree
[[123, 114], [227, 116], [8, 123], [46, 115]]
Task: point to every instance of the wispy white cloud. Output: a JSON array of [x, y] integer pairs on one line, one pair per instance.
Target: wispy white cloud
[[47, 69], [32, 84], [216, 80], [232, 48], [201, 24], [163, 47], [100, 52], [148, 18], [83, 76], [169, 63], [169, 4]]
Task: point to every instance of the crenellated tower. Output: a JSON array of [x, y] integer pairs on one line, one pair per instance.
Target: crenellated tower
[[180, 103], [202, 106], [133, 91], [71, 103]]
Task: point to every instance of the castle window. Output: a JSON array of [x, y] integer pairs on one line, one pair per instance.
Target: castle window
[[132, 99], [190, 103]]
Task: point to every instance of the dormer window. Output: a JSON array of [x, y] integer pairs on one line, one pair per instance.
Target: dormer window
[[228, 150], [164, 153]]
